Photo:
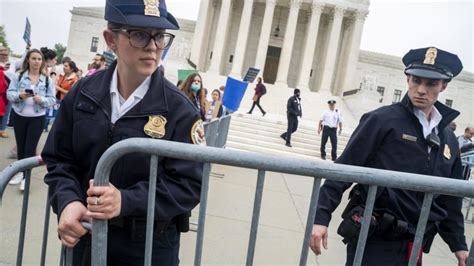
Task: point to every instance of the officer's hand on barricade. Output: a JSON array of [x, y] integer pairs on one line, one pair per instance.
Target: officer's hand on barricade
[[462, 256], [69, 228], [319, 233], [103, 202]]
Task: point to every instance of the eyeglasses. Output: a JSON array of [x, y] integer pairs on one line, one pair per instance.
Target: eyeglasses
[[141, 39]]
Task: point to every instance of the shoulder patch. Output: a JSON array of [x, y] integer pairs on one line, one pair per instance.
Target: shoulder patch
[[197, 133]]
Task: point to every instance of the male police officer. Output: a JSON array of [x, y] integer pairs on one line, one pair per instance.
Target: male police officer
[[293, 110], [330, 120], [129, 99], [410, 136]]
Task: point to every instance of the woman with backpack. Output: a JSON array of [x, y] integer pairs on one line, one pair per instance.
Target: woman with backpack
[[31, 92], [260, 90]]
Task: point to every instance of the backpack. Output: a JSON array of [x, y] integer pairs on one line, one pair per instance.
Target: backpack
[[264, 90]]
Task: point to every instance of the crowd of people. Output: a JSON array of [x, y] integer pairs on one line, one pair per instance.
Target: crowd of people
[[31, 91]]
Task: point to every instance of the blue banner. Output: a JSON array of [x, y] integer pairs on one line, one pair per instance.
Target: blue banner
[[233, 93], [27, 33]]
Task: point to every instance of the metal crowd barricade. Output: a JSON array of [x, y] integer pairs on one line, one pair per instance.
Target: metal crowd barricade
[[430, 185], [25, 166]]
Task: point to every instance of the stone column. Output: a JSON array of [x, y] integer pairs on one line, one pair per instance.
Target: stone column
[[332, 49], [265, 35], [197, 52], [221, 34], [354, 49], [288, 42], [241, 45], [310, 46]]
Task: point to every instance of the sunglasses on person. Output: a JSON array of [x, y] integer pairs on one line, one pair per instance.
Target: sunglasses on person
[[141, 38]]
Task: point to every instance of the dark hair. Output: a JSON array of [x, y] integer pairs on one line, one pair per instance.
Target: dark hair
[[26, 64], [186, 88], [48, 54], [66, 59], [179, 83], [73, 66], [102, 57]]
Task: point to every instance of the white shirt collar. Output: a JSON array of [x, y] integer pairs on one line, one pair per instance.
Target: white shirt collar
[[428, 126], [120, 106]]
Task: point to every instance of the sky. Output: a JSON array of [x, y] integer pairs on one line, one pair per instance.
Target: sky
[[392, 27]]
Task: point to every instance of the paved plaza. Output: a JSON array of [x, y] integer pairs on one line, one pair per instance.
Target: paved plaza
[[280, 234]]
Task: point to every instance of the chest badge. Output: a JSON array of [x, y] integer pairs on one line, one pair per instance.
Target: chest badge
[[447, 152], [155, 127]]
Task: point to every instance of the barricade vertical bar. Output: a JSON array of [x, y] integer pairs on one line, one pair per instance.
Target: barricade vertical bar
[[364, 231], [69, 256], [257, 204], [223, 131], [420, 228], [310, 221], [45, 230], [151, 209], [24, 212], [468, 209], [470, 260], [202, 213]]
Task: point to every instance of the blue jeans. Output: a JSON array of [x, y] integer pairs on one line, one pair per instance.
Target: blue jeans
[[6, 117]]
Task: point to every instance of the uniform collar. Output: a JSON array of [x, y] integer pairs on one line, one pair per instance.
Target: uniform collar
[[153, 102], [447, 113]]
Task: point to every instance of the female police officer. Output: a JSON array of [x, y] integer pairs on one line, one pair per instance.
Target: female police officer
[[410, 136], [130, 99]]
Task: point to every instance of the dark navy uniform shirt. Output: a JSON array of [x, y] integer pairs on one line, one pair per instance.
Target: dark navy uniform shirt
[[391, 138], [83, 131]]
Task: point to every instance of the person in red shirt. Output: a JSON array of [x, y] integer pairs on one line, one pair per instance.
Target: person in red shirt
[[3, 81]]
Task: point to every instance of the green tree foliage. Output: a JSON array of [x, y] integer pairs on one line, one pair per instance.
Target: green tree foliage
[[60, 50], [3, 36]]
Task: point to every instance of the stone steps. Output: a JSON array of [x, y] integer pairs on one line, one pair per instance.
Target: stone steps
[[262, 134]]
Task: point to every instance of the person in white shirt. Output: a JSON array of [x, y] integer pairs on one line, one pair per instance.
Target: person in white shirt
[[330, 120]]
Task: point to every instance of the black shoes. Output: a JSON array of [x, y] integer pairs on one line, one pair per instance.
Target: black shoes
[[264, 113], [288, 145], [283, 136], [249, 113]]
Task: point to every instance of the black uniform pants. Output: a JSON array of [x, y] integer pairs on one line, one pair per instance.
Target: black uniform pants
[[380, 252], [331, 133], [27, 134], [122, 251], [292, 127], [257, 103]]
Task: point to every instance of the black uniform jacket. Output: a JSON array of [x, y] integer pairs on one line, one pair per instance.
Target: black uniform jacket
[[380, 141], [293, 107], [83, 131]]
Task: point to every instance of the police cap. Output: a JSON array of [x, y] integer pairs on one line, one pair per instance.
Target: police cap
[[331, 102], [432, 63], [140, 13]]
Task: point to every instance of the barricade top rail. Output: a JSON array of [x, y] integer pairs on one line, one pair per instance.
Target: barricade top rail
[[283, 164], [16, 167]]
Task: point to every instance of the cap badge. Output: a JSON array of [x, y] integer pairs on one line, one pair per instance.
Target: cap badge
[[151, 8], [155, 127], [430, 56]]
